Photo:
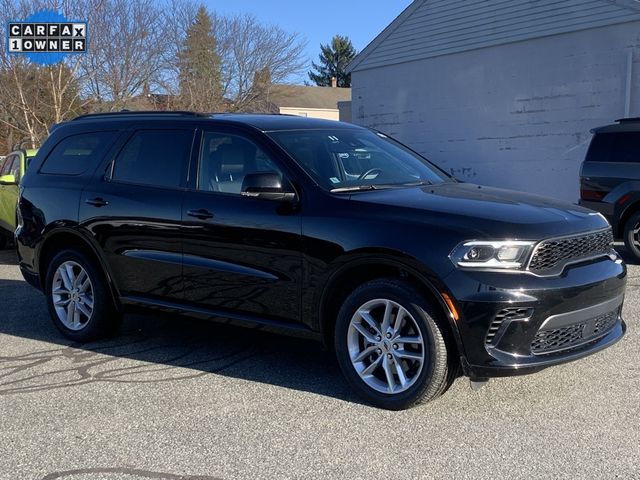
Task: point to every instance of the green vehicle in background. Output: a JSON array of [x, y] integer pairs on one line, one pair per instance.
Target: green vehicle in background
[[12, 168]]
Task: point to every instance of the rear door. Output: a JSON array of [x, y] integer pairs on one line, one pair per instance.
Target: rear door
[[133, 208], [241, 254]]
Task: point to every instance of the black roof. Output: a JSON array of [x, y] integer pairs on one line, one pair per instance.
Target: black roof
[[631, 124], [264, 122]]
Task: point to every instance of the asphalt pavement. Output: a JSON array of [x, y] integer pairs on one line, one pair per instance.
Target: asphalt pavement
[[172, 398]]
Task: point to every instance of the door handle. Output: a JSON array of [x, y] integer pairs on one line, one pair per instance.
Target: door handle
[[202, 214], [97, 202]]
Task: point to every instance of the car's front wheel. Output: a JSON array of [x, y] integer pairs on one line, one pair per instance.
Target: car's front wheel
[[78, 297], [390, 346]]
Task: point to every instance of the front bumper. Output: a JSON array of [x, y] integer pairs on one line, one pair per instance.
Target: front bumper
[[516, 323]]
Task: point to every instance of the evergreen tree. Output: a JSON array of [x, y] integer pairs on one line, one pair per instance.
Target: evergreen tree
[[200, 66], [334, 59]]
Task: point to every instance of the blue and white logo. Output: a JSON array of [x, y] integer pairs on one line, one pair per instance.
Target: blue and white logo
[[46, 37]]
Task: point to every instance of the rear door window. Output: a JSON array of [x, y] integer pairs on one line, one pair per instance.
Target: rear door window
[[158, 158], [76, 154], [615, 147]]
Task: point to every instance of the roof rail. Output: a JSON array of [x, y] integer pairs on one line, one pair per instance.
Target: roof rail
[[176, 113], [630, 119]]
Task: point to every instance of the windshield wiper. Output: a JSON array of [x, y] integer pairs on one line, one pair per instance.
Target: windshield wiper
[[379, 186], [356, 188], [418, 183]]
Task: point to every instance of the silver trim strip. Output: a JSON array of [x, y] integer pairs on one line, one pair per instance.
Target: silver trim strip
[[570, 318]]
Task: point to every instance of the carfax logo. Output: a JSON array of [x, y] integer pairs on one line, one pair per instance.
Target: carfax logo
[[46, 37]]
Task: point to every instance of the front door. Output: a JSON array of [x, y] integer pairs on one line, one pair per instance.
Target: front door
[[241, 254]]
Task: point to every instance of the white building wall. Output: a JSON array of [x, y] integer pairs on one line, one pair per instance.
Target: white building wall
[[515, 115]]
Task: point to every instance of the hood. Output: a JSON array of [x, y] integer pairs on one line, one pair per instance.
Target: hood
[[486, 211]]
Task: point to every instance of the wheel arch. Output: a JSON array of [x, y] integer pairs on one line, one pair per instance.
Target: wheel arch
[[65, 238], [624, 217], [366, 267]]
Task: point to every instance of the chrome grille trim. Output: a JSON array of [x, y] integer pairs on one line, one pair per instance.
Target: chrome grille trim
[[552, 255]]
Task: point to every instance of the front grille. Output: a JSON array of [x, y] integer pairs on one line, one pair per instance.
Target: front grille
[[505, 315], [566, 338], [551, 256]]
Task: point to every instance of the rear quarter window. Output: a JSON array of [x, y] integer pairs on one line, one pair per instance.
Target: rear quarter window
[[74, 155], [615, 147]]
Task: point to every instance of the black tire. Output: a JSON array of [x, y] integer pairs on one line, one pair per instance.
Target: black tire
[[104, 319], [439, 368], [629, 241], [3, 241]]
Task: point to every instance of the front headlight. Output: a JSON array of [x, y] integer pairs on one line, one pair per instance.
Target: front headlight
[[490, 255]]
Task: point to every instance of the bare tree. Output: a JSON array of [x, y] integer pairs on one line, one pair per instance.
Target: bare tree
[[33, 97], [127, 50], [247, 48], [134, 49]]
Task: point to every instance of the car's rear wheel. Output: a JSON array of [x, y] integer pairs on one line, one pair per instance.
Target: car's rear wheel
[[632, 236], [3, 241], [78, 297], [390, 345]]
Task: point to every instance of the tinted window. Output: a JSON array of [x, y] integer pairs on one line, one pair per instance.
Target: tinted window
[[615, 147], [351, 158], [226, 159], [154, 157], [76, 154]]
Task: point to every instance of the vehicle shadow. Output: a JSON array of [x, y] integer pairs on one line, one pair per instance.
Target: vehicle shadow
[[153, 349]]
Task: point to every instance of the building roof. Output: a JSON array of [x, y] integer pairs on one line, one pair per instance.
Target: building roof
[[431, 28], [303, 96]]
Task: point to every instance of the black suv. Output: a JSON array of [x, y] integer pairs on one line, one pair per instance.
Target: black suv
[[610, 179], [315, 228]]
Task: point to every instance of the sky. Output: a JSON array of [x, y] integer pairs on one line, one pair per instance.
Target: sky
[[318, 22]]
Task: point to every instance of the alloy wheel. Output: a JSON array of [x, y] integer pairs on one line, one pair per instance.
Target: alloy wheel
[[636, 235], [385, 346], [72, 295]]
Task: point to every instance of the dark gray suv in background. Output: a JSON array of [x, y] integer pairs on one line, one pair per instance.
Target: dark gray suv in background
[[610, 179]]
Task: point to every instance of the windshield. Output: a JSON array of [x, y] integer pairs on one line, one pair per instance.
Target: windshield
[[356, 159]]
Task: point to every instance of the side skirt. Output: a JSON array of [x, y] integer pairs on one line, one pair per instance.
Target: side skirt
[[219, 316]]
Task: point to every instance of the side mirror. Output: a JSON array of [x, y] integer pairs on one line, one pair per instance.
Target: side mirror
[[8, 180], [267, 185]]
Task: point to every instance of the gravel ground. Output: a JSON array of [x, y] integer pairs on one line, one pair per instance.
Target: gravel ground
[[180, 399]]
